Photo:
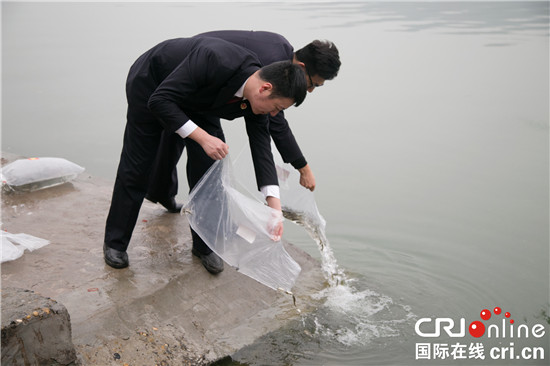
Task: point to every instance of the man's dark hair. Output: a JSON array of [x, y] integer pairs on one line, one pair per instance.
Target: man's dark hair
[[321, 58], [288, 80]]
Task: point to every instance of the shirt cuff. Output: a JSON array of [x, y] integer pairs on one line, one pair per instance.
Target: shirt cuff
[[186, 129], [272, 191]]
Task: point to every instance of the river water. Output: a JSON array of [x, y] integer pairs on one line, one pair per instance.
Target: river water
[[430, 150]]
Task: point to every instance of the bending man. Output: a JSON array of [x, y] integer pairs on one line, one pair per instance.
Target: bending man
[[320, 61], [180, 89]]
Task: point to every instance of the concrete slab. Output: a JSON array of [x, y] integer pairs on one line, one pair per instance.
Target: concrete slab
[[163, 309], [36, 330]]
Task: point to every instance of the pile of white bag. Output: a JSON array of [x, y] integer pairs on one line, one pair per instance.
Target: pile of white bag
[[28, 175], [14, 245], [38, 173]]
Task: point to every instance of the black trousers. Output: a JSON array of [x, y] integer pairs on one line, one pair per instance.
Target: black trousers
[[148, 167]]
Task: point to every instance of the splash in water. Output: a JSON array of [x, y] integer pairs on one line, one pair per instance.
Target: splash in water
[[315, 228], [349, 316]]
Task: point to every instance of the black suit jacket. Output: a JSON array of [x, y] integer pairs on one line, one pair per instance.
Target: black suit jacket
[[197, 76], [269, 47]]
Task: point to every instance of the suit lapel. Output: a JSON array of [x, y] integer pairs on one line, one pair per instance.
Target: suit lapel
[[228, 91]]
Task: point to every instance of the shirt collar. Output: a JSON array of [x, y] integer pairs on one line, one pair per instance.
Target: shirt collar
[[240, 93]]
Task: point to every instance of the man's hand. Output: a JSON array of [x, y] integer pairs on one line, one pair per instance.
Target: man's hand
[[276, 227], [307, 179], [214, 147]]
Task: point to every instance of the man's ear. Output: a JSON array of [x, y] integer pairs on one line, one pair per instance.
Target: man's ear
[[301, 64], [266, 87]]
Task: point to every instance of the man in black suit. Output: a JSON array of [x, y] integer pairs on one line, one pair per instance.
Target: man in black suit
[[320, 61], [180, 89]]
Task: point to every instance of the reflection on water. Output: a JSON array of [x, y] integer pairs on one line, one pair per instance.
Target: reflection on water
[[444, 17]]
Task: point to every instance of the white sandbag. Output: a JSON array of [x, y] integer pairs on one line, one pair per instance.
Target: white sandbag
[[238, 228], [39, 173], [14, 245], [10, 252], [27, 241]]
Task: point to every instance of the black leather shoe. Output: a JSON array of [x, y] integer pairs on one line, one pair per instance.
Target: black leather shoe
[[170, 205], [115, 258], [211, 262]]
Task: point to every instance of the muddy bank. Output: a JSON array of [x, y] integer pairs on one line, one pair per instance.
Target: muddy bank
[[165, 308]]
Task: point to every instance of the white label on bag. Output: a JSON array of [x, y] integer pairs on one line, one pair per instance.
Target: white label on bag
[[246, 234], [282, 173]]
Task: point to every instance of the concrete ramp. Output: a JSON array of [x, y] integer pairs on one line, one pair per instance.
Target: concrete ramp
[[165, 308]]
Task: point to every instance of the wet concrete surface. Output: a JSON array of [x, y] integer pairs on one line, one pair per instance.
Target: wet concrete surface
[[165, 309]]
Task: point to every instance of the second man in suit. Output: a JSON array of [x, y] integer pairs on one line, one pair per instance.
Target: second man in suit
[[320, 61]]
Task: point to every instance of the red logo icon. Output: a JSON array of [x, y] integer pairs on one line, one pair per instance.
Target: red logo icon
[[477, 328]]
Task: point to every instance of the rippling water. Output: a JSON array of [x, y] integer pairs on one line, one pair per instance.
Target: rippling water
[[350, 318], [430, 151]]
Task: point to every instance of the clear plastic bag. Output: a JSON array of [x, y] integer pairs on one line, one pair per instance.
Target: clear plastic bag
[[14, 245], [298, 203], [39, 173], [300, 207], [238, 228]]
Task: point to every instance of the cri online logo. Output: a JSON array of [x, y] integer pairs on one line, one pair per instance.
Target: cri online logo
[[478, 329]]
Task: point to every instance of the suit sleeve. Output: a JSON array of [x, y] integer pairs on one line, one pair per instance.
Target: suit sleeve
[[190, 79], [260, 148], [285, 141]]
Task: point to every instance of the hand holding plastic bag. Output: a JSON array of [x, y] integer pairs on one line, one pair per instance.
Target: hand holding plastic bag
[[240, 229], [275, 225]]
